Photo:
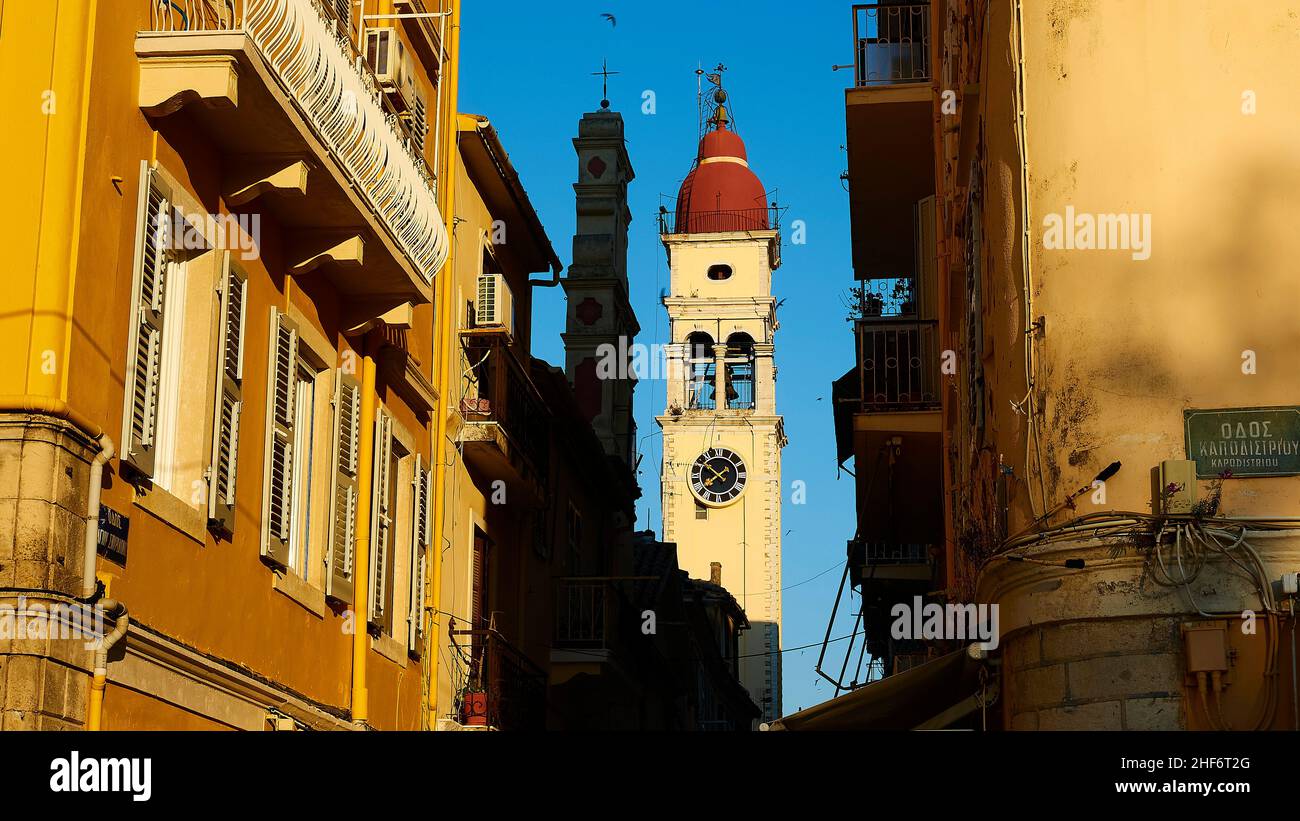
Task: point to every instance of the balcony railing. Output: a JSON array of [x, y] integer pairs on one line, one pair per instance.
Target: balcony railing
[[515, 686], [508, 397], [898, 364], [320, 70], [582, 615], [883, 553], [891, 43], [712, 222]]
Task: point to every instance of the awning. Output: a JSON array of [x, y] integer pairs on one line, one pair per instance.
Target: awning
[[929, 697], [844, 402]]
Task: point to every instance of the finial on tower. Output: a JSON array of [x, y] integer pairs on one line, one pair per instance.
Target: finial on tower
[[719, 118], [604, 74]]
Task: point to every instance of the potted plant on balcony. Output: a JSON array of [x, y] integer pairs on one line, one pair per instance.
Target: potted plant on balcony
[[474, 705], [904, 296]]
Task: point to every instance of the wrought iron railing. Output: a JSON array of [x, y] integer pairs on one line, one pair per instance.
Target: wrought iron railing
[[582, 615], [508, 397], [332, 86], [883, 553], [712, 222], [891, 43], [515, 686], [701, 390], [898, 364]]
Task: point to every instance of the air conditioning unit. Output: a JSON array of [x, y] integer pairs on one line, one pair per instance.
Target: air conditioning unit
[[494, 306], [392, 65]]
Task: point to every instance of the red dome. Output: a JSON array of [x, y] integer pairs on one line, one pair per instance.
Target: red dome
[[721, 193]]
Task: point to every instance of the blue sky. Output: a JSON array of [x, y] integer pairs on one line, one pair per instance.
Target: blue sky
[[528, 66]]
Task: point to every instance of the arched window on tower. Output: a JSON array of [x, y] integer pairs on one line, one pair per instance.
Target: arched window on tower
[[700, 371], [740, 372]]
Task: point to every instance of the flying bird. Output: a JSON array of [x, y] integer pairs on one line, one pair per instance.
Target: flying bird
[[613, 21]]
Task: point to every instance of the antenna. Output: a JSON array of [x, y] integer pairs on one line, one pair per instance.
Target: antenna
[[699, 99]]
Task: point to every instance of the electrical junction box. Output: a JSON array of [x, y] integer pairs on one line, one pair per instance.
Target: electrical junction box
[[1177, 486], [1207, 647]]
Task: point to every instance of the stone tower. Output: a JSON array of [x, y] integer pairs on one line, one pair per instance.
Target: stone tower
[[600, 324]]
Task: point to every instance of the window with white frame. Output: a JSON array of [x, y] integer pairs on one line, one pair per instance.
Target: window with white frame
[[180, 283], [299, 414]]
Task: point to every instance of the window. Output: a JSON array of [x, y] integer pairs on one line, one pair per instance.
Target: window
[[229, 399], [574, 531], [178, 287], [701, 512], [541, 534], [281, 424], [421, 539], [340, 584], [304, 456], [740, 372], [479, 581], [719, 272], [295, 480], [701, 369], [383, 513]]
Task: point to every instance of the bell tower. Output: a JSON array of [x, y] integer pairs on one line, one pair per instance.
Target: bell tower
[[722, 435], [601, 324]]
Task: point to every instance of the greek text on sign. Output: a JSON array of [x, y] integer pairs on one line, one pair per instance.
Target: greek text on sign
[[1244, 442]]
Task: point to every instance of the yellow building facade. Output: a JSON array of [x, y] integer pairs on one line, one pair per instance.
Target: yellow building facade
[[218, 366]]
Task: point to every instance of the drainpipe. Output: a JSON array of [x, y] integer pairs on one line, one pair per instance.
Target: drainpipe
[[444, 350], [99, 679], [361, 560]]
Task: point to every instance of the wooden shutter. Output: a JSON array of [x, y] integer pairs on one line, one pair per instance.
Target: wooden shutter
[[343, 529], [282, 389], [149, 286], [421, 533], [381, 521], [478, 578], [229, 398], [419, 120]]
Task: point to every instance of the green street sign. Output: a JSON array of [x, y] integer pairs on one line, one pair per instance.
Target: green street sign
[[1245, 441]]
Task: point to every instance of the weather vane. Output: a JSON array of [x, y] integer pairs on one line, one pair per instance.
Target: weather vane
[[604, 74]]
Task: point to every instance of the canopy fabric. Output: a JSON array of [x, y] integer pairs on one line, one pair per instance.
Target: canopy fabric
[[903, 701]]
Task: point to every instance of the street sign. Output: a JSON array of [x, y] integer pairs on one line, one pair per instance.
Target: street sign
[[1247, 442], [113, 527]]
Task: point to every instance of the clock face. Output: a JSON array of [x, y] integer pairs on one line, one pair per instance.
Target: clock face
[[718, 477]]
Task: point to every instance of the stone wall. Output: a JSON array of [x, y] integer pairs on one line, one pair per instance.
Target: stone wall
[[1116, 674], [44, 477]]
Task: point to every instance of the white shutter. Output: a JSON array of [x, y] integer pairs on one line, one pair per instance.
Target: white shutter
[[381, 522], [343, 530], [149, 286], [421, 533], [229, 399], [282, 390]]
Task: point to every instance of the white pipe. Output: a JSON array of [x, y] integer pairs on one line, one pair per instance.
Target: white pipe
[[91, 549]]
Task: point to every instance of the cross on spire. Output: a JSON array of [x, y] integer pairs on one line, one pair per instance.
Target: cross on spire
[[604, 74]]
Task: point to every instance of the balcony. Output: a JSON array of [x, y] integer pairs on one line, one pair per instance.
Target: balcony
[[899, 364], [302, 128], [889, 125], [890, 561], [891, 43], [506, 428], [515, 686]]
